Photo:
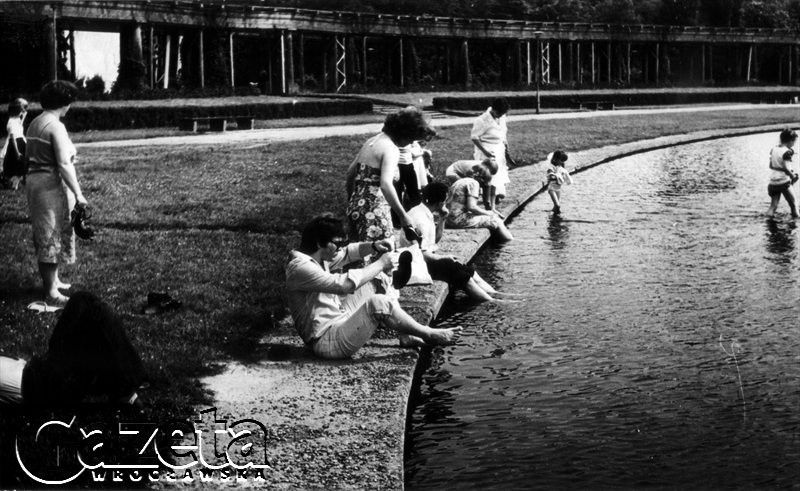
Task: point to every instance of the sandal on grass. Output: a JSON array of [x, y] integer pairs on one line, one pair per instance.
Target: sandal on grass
[[45, 306]]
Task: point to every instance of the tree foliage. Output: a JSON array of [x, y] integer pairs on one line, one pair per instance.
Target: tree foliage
[[722, 13]]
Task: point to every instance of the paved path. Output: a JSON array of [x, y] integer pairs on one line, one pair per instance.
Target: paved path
[[312, 132]]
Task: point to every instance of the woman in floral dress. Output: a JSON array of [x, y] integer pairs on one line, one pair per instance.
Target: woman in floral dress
[[371, 176]]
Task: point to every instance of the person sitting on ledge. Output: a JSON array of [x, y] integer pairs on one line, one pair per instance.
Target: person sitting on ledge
[[445, 268], [337, 313]]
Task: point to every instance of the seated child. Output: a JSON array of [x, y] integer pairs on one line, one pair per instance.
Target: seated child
[[557, 176], [444, 268], [464, 211]]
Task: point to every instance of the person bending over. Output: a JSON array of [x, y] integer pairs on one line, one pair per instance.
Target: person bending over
[[336, 313], [445, 268], [464, 211]]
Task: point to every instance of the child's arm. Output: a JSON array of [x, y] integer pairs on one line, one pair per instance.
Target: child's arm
[[567, 177]]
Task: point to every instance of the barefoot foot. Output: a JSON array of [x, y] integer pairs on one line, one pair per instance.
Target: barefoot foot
[[56, 299], [497, 294], [409, 341], [62, 286], [442, 337]]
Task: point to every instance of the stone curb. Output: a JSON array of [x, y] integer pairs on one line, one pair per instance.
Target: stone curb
[[341, 424]]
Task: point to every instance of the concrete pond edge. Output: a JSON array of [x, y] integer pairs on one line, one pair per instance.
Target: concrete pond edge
[[527, 183]]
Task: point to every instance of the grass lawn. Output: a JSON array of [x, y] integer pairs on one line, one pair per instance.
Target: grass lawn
[[213, 224]]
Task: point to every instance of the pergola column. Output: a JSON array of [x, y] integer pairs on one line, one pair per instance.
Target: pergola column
[[402, 64], [628, 62], [560, 73], [201, 58], [658, 62], [467, 74], [230, 57], [290, 85], [364, 60], [528, 61], [301, 65]]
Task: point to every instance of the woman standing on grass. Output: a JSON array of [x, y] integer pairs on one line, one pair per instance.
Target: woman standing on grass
[[371, 176], [490, 137], [52, 187]]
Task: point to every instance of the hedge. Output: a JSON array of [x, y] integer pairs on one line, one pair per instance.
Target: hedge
[[105, 117], [621, 98]]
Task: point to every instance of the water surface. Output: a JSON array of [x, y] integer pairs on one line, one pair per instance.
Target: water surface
[[620, 370]]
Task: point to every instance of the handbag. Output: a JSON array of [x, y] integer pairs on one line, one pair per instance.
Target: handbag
[[419, 270]]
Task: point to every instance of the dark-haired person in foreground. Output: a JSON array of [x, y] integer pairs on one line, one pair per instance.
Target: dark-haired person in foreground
[[89, 355], [337, 313], [52, 187], [444, 268]]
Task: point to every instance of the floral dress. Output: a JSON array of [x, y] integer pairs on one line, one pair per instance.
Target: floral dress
[[368, 210], [460, 216]]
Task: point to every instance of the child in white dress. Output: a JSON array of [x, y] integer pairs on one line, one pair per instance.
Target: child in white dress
[[557, 176]]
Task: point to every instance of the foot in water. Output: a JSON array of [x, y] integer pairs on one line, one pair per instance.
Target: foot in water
[[497, 294], [409, 341], [441, 337]]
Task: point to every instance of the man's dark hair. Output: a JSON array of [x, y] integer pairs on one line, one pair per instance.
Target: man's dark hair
[[435, 192], [57, 93], [788, 135], [321, 230], [500, 105]]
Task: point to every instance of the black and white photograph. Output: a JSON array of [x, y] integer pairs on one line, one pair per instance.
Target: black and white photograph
[[399, 244]]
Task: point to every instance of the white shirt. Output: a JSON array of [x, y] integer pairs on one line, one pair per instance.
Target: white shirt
[[422, 219], [776, 161]]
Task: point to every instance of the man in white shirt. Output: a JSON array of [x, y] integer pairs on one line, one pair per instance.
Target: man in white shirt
[[337, 313]]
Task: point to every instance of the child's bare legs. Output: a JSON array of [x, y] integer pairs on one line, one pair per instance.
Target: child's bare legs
[[556, 197], [790, 199], [773, 207]]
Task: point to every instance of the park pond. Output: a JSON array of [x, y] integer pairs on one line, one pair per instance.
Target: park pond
[[658, 344]]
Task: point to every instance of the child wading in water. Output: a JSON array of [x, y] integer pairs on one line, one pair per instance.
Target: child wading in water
[[781, 176], [14, 168], [557, 176]]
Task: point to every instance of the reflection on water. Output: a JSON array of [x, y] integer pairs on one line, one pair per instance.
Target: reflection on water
[[781, 241], [660, 286]]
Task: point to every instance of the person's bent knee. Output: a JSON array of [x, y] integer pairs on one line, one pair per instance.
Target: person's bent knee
[[380, 306]]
